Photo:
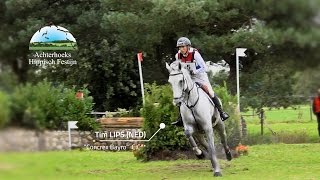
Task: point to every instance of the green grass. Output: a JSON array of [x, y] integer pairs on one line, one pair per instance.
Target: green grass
[[283, 133], [278, 161], [273, 161], [310, 128], [301, 114], [52, 48], [289, 125]]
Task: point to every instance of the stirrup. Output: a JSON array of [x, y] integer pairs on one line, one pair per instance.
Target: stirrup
[[178, 122], [224, 116]]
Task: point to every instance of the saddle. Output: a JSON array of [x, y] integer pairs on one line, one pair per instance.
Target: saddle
[[205, 89]]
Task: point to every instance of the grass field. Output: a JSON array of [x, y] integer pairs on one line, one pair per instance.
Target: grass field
[[54, 46], [301, 114], [279, 161], [266, 161], [283, 125]]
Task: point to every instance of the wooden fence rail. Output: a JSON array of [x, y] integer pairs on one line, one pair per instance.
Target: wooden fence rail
[[121, 122]]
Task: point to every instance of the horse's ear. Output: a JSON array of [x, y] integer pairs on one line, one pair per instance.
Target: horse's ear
[[179, 66], [168, 67]]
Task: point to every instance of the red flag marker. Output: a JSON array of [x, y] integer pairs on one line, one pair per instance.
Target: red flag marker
[[139, 55]]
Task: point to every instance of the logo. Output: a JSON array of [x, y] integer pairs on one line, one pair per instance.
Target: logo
[[52, 45], [53, 37]]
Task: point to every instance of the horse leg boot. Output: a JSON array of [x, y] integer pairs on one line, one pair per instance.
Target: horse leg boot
[[224, 116], [178, 122]]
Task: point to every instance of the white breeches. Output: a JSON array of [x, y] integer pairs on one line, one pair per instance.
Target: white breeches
[[203, 79]]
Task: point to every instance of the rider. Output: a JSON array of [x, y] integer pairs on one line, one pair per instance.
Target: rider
[[187, 54]]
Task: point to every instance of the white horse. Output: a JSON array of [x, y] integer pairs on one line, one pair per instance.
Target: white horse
[[198, 114]]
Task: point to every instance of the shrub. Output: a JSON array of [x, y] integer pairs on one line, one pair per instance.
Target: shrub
[[43, 106], [8, 80], [160, 109], [4, 109]]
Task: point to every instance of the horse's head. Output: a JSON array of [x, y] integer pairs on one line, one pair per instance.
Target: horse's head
[[178, 78]]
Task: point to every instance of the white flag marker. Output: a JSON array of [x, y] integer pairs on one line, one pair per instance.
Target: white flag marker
[[239, 53], [71, 125]]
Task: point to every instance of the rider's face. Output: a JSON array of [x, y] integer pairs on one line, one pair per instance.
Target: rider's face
[[183, 49]]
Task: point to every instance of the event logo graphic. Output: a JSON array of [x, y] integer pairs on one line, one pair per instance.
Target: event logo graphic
[[52, 45], [53, 37]]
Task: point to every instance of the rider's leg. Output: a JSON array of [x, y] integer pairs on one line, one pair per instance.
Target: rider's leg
[[216, 101], [178, 122], [203, 79], [224, 116]]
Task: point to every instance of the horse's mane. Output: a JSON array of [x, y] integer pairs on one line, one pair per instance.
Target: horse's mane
[[175, 66], [187, 75]]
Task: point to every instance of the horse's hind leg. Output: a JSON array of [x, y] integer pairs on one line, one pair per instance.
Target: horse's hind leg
[[201, 139], [220, 127], [195, 148], [212, 152]]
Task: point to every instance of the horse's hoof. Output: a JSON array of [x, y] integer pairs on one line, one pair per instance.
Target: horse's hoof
[[229, 155], [201, 156], [217, 174]]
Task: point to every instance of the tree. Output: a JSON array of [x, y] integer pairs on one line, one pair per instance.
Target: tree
[[110, 33], [307, 81], [108, 72]]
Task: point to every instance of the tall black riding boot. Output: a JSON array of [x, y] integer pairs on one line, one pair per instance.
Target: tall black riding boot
[[224, 116]]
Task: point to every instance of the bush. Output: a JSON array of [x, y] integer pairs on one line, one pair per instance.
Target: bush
[[4, 109], [43, 106], [160, 109], [8, 80]]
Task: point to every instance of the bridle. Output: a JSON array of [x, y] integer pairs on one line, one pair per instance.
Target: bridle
[[184, 91]]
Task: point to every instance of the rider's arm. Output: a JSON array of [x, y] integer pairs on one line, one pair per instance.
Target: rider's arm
[[200, 63]]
